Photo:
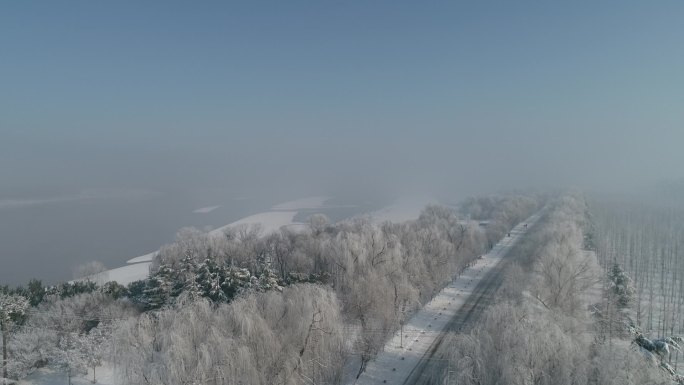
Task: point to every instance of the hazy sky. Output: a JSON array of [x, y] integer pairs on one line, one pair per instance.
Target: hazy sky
[[436, 95]]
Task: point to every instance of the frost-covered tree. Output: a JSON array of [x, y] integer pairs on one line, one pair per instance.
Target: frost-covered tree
[[281, 246], [94, 346], [67, 332], [71, 289], [516, 344], [612, 315], [659, 349], [318, 223], [612, 366], [114, 290], [259, 338], [91, 271], [35, 292], [12, 308], [30, 348], [564, 269], [621, 286], [210, 280], [214, 279], [68, 356], [79, 314]]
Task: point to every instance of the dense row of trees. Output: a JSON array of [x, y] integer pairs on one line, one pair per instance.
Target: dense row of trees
[[500, 212], [544, 333], [229, 308]]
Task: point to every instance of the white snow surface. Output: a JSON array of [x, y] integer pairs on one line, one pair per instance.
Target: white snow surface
[[316, 202], [50, 376], [270, 221], [149, 257], [205, 210], [421, 331], [124, 274]]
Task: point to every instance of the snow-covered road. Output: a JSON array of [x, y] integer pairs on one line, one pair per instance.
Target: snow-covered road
[[403, 358]]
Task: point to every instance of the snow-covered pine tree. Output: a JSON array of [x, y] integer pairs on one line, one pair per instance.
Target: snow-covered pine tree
[[209, 278], [158, 288], [621, 286]]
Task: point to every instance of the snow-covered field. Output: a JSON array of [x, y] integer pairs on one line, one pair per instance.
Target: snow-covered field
[[400, 355]]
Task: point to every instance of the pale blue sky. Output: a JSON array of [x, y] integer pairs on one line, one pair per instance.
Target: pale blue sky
[[494, 94]]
